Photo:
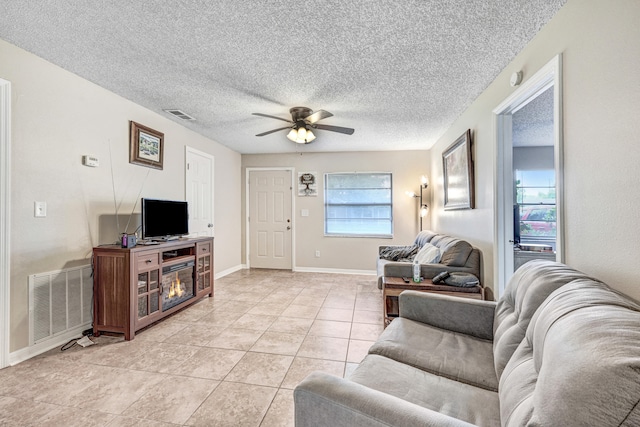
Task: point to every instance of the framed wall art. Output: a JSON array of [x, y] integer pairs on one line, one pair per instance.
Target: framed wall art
[[146, 146], [457, 166], [307, 184]]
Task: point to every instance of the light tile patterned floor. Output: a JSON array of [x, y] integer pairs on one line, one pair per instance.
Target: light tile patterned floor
[[230, 360]]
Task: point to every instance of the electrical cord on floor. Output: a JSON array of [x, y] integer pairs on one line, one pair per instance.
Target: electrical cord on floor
[[74, 341], [66, 347]]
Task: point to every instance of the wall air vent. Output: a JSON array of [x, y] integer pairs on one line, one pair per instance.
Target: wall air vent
[[180, 114]]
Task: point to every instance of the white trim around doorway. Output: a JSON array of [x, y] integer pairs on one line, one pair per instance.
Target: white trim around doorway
[[549, 74], [5, 219]]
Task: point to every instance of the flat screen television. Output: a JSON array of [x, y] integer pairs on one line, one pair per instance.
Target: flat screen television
[[164, 219]]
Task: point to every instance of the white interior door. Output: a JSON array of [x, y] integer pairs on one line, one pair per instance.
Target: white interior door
[[199, 192], [270, 226]]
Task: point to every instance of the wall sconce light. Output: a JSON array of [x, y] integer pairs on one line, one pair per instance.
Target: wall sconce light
[[423, 208]]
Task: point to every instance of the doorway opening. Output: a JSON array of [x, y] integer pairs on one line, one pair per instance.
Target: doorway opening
[[528, 186]]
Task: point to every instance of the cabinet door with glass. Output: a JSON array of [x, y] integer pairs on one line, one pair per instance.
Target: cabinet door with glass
[[148, 287], [204, 255]]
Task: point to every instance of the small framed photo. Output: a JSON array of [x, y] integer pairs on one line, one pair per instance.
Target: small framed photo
[[458, 174], [146, 146]]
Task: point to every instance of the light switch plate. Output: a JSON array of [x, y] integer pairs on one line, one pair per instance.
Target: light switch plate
[[304, 212], [40, 209]]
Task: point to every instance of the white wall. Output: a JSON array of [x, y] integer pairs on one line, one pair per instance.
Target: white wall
[[56, 118], [599, 41], [349, 253]]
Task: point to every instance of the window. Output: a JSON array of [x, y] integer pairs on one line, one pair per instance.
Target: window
[[358, 204], [536, 198]]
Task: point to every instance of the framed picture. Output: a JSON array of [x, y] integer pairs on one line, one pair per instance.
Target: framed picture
[[458, 174], [146, 146], [307, 184]]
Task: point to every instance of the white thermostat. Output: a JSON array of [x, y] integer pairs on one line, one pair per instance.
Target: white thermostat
[[90, 161]]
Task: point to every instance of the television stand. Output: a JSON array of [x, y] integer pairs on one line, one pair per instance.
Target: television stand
[[166, 239], [135, 287]]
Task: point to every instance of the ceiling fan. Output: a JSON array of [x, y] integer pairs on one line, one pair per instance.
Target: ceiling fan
[[303, 119]]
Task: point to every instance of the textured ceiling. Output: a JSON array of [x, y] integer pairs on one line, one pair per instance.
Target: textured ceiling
[[399, 72]]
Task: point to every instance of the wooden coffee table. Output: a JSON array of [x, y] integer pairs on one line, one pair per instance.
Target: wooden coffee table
[[393, 286]]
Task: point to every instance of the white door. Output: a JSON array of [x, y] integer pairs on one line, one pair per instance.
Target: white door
[[199, 192], [270, 227]]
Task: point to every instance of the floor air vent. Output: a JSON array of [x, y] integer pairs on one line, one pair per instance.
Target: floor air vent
[[180, 114], [59, 302]]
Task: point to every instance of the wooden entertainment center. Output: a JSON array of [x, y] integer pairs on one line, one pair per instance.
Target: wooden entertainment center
[[134, 287]]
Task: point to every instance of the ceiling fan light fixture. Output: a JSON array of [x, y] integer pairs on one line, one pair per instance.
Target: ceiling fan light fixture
[[303, 119], [293, 135], [310, 137]]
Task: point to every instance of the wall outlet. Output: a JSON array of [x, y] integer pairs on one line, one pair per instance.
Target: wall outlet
[[317, 254]]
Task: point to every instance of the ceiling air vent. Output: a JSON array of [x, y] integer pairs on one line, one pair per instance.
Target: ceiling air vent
[[180, 114]]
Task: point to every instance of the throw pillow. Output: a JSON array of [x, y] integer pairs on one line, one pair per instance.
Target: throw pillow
[[396, 253], [455, 252], [429, 254]]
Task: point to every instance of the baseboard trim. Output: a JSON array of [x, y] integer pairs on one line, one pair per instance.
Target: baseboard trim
[[334, 270], [228, 271], [37, 349]]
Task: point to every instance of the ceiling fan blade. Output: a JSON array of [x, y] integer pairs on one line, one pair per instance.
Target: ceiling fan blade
[[340, 129], [316, 116], [272, 131], [272, 117]]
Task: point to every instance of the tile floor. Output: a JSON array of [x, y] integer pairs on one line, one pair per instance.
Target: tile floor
[[230, 360]]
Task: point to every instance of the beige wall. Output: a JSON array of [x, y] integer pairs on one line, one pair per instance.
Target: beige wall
[[340, 253], [599, 41], [56, 118]]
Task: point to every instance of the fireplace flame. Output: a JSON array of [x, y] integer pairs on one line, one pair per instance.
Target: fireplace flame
[[176, 288]]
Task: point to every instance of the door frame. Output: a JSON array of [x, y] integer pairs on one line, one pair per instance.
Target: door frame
[[5, 219], [247, 203], [549, 74], [188, 150]]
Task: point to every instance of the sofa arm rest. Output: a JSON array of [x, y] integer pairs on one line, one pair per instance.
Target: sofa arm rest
[[463, 315], [325, 400]]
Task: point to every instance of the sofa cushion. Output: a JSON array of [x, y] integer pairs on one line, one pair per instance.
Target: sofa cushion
[[530, 285], [423, 237], [427, 254], [579, 363], [438, 351], [458, 400], [396, 253], [454, 251]]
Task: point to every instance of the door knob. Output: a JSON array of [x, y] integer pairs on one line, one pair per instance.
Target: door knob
[[210, 225], [288, 227]]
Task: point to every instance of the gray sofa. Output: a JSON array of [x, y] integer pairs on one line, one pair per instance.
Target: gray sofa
[[558, 349], [457, 255]]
